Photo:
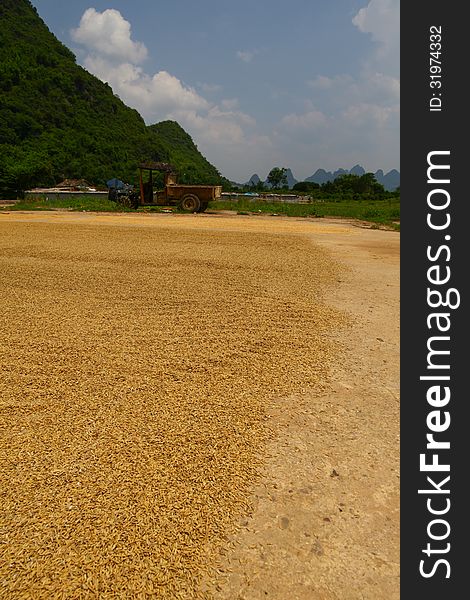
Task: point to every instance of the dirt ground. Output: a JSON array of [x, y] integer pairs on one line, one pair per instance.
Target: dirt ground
[[326, 522], [167, 377]]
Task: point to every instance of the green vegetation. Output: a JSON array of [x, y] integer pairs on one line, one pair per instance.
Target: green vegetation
[[351, 196], [58, 121], [346, 187], [86, 202], [306, 186], [183, 153], [382, 212], [355, 186], [277, 178]]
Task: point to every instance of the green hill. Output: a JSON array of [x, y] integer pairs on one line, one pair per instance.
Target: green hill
[[58, 121], [183, 152]]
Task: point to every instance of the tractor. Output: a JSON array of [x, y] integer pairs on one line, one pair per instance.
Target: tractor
[[188, 198]]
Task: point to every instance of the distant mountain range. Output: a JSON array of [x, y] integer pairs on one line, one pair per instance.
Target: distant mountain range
[[390, 180]]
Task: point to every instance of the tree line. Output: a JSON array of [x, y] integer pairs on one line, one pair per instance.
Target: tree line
[[348, 186]]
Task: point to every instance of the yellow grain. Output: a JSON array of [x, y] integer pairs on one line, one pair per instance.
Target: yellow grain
[[138, 364]]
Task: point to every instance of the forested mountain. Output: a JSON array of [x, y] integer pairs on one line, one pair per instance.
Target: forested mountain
[[181, 151], [58, 121]]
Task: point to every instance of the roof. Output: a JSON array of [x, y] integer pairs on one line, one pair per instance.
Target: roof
[[73, 183]]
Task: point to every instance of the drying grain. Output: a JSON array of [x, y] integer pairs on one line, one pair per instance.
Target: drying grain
[[137, 366]]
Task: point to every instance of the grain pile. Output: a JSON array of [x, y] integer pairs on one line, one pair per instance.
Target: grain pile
[[137, 364]]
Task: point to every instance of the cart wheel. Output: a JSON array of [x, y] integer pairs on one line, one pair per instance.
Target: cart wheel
[[190, 203], [134, 200], [124, 201], [204, 206]]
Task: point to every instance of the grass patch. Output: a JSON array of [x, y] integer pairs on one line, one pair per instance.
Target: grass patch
[[382, 212], [87, 202]]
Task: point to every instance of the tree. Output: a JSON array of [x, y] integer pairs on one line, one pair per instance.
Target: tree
[[277, 177], [364, 185], [306, 186]]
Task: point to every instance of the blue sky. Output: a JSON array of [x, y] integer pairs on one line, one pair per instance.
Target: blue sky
[[306, 84]]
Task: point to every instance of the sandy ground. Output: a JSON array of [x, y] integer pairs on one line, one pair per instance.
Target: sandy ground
[[292, 329], [326, 522]]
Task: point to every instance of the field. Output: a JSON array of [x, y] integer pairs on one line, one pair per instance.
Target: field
[[375, 211], [198, 406]]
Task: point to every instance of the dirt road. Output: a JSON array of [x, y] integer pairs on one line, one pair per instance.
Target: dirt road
[[153, 365]]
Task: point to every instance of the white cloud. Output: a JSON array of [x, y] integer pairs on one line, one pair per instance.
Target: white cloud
[[163, 96], [223, 127], [108, 34], [154, 96], [246, 55], [371, 115], [371, 85], [230, 103], [380, 18], [385, 86]]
